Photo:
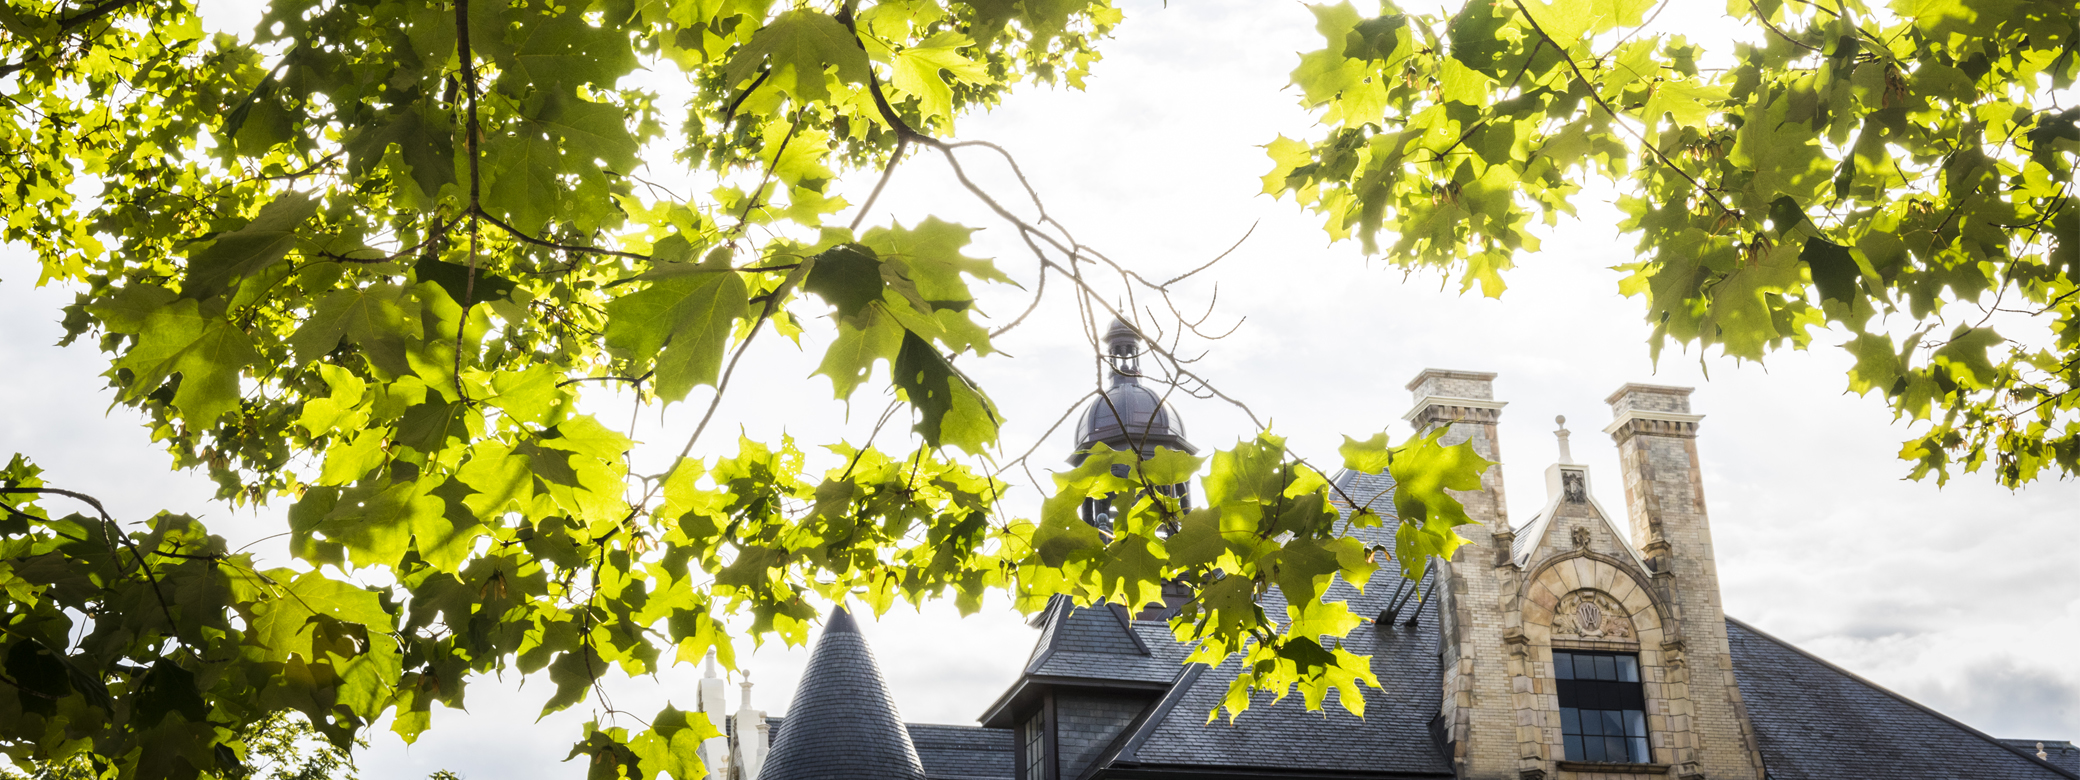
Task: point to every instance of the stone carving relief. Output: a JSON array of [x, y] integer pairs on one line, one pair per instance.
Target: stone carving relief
[[1581, 537], [1588, 614], [1573, 487]]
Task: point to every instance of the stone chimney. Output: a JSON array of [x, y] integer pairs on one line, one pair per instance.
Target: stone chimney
[[753, 737], [1479, 718], [1657, 445], [1656, 435], [713, 703]]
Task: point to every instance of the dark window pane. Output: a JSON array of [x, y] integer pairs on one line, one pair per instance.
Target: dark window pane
[[1602, 705]]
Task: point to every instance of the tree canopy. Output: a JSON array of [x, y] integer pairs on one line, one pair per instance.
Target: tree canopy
[[366, 263], [1902, 174]]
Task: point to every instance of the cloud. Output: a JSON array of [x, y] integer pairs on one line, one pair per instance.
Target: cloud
[[2010, 698]]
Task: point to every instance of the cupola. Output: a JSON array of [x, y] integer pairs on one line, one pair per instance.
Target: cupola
[[1129, 414]]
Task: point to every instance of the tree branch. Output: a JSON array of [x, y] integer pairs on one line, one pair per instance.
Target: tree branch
[[1598, 97]]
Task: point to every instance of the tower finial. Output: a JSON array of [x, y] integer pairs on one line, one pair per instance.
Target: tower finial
[[1123, 351], [1565, 455]]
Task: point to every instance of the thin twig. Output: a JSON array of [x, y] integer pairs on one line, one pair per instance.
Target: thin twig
[[887, 171], [1598, 97]]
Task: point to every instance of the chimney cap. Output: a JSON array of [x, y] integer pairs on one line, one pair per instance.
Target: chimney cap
[[1638, 387], [1447, 373]]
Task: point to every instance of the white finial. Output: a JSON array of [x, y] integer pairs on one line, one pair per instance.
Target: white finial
[[2041, 755], [710, 663], [1565, 455], [747, 688]]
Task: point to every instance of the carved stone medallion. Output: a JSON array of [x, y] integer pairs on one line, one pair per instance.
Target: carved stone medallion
[[1588, 614], [1581, 537]]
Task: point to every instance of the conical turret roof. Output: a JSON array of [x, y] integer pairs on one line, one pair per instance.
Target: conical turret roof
[[843, 725]]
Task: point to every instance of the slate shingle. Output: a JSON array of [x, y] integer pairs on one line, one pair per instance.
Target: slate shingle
[[842, 724], [1816, 721]]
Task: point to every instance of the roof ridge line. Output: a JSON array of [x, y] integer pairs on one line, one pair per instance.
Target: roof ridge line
[[1126, 623], [1155, 714], [1903, 699]]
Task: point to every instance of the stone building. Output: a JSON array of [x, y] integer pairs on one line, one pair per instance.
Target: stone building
[[1561, 646]]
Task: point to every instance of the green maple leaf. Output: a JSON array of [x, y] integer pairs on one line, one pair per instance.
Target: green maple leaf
[[371, 318], [207, 353], [375, 522], [797, 48], [1423, 470], [671, 745], [521, 184], [283, 623], [250, 249], [681, 323], [917, 72], [950, 409], [427, 147], [1689, 103], [1370, 456], [872, 336]]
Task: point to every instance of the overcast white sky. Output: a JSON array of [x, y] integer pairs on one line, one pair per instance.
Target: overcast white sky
[[1966, 598]]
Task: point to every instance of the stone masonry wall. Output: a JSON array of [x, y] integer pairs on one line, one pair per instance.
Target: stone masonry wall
[[1664, 498], [1478, 713]]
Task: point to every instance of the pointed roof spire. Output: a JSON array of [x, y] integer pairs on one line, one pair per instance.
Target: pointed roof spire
[[842, 724]]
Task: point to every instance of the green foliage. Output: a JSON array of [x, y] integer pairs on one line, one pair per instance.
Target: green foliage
[[1898, 173], [365, 263]]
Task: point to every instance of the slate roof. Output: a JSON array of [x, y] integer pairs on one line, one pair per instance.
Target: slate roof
[[1814, 721], [844, 725], [950, 752], [1098, 644], [963, 752], [2063, 754], [1392, 741], [1817, 721]]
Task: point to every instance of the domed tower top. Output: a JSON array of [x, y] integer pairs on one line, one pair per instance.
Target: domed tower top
[[1128, 415]]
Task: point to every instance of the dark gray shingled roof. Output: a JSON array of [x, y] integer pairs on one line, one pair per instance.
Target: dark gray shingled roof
[[1817, 721], [1392, 740], [963, 752], [843, 724], [950, 752], [1096, 643], [2062, 754]]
